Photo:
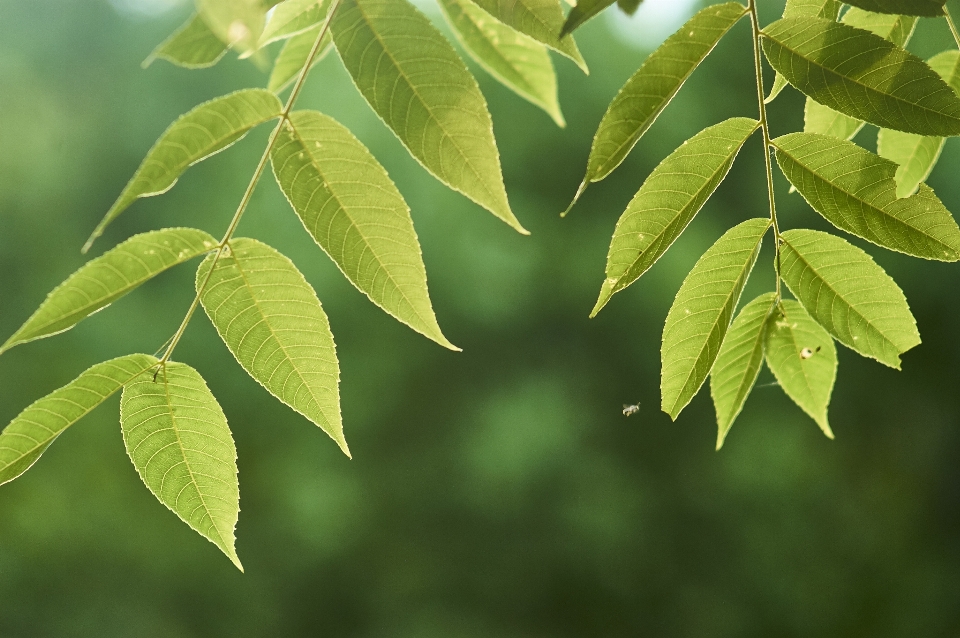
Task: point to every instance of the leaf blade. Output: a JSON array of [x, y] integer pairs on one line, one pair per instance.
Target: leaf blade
[[192, 46], [928, 8], [293, 17], [582, 12], [294, 55]]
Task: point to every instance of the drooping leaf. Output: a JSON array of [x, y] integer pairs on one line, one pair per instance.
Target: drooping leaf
[[414, 80], [583, 11], [629, 6], [272, 322], [802, 357], [738, 362], [668, 200], [847, 293], [204, 131], [929, 8], [178, 439], [542, 20], [293, 56], [293, 17], [862, 75], [192, 46], [855, 190], [352, 209], [517, 61], [647, 93], [701, 313], [32, 431], [105, 279], [827, 9], [239, 23]]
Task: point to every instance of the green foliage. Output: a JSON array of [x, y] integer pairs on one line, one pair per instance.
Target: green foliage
[[192, 46], [542, 20], [930, 8], [292, 18], [293, 55]]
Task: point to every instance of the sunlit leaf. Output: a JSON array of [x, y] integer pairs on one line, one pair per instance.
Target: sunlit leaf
[[105, 279], [272, 322], [701, 313], [192, 46], [802, 357], [293, 56], [195, 136], [293, 17], [855, 190], [738, 362], [848, 294], [518, 61], [583, 11], [178, 439], [239, 23], [417, 84], [862, 75], [827, 9], [32, 431], [668, 200], [823, 120], [647, 93], [352, 209], [930, 8]]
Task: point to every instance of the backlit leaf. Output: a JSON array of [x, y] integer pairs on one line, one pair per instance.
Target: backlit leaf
[[105, 279], [293, 17], [272, 322], [848, 294], [293, 56], [192, 46], [827, 9], [32, 431], [415, 82], [668, 200], [178, 439], [581, 12], [701, 313], [930, 8], [239, 23], [352, 209], [823, 120]]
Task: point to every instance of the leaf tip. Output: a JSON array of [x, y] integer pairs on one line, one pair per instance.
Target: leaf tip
[[606, 291], [576, 197]]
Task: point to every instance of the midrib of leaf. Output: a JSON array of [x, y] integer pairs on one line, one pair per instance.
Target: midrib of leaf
[[806, 381], [574, 53]]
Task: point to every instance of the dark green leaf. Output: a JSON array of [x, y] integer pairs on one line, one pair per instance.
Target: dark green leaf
[[929, 8], [583, 11], [629, 6], [827, 9], [192, 46]]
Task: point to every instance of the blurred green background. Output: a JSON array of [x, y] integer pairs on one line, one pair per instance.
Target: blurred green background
[[497, 492]]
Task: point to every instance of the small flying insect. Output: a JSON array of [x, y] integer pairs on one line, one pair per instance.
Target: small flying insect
[[630, 409], [806, 353]]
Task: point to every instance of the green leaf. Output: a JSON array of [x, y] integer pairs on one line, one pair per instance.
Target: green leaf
[[668, 200], [178, 439], [929, 8], [519, 62], [413, 79], [33, 430], [647, 93], [192, 46], [105, 279], [204, 131], [862, 75], [272, 322], [293, 56], [701, 313], [542, 20], [293, 17], [738, 363], [828, 9], [779, 84], [855, 190], [848, 294], [239, 23], [583, 11], [629, 6], [802, 357], [352, 209], [823, 120], [895, 28]]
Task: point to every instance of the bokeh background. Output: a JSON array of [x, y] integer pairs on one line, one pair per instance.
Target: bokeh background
[[497, 492]]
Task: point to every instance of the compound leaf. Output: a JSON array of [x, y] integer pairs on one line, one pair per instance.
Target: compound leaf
[[192, 46], [204, 131], [803, 358], [352, 209], [738, 362], [33, 430], [855, 190], [929, 8], [293, 56], [583, 11], [847, 293], [519, 62], [413, 79], [178, 439], [668, 200], [293, 17], [701, 313], [272, 322], [105, 279]]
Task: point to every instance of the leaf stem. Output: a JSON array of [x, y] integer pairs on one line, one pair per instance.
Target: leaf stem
[[953, 27], [767, 144], [248, 193]]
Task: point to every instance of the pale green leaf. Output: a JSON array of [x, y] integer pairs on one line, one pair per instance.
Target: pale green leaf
[[518, 61], [668, 200], [738, 362], [178, 439], [701, 313], [417, 84], [653, 86], [583, 11], [823, 120], [32, 431], [293, 17], [929, 8], [272, 322], [862, 75], [855, 190], [828, 9], [352, 209], [204, 131], [895, 28], [848, 294], [542, 20], [192, 46], [629, 6], [293, 56], [105, 279], [802, 357], [779, 84], [239, 23]]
